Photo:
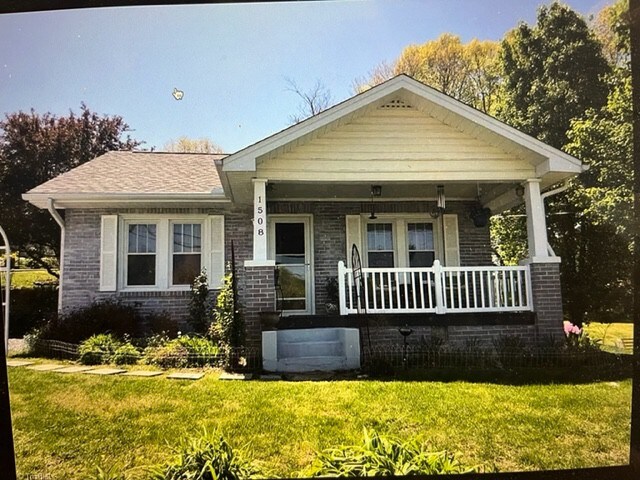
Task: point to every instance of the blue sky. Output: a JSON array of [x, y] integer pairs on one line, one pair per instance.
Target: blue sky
[[230, 60]]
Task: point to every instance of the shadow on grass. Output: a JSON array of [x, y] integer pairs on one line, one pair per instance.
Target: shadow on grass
[[615, 368]]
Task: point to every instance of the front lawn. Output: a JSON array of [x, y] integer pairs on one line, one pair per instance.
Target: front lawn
[[66, 425], [609, 334], [28, 278]]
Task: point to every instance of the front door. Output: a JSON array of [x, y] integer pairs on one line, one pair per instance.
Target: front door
[[291, 249]]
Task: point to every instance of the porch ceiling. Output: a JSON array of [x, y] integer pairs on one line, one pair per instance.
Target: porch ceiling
[[350, 191]]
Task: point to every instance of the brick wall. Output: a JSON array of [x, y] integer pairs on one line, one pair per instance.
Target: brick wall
[[547, 298], [330, 240], [82, 258], [259, 296], [255, 284]]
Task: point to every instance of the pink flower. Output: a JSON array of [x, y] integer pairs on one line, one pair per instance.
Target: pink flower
[[570, 328]]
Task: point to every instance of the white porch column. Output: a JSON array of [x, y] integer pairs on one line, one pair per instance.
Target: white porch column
[[260, 233], [536, 223]]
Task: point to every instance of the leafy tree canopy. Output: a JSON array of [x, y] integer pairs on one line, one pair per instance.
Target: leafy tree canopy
[[552, 72], [468, 72], [192, 145], [35, 148]]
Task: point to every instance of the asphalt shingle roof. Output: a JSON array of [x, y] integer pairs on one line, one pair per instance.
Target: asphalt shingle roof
[[139, 172]]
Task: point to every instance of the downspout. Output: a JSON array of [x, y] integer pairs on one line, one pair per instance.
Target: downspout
[[56, 216], [550, 193]]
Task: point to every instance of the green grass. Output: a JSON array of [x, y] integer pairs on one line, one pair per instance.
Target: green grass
[[66, 425], [26, 278], [609, 333]]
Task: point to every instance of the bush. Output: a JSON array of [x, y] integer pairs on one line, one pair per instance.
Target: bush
[[100, 317], [184, 351], [169, 355], [201, 351], [32, 307], [126, 354], [380, 456], [98, 349], [199, 311], [206, 457], [108, 316], [163, 324], [227, 328], [510, 349]]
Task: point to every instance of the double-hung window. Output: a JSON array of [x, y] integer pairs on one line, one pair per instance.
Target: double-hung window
[[158, 252], [420, 244], [141, 254], [186, 252], [380, 244]]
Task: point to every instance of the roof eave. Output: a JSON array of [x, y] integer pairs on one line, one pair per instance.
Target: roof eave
[[70, 200]]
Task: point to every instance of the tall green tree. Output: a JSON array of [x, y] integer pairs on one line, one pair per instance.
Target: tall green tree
[[559, 87], [552, 73], [599, 273], [35, 148]]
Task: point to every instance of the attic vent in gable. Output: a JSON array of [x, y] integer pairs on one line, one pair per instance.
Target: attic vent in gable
[[395, 104]]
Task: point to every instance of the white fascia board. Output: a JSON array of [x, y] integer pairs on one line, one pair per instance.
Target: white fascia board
[[245, 159], [64, 200], [493, 124], [555, 164]]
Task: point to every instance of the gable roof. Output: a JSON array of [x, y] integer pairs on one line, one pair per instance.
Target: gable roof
[[547, 158], [136, 175]]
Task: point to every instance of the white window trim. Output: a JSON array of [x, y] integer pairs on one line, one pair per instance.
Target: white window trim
[[164, 249], [399, 221]]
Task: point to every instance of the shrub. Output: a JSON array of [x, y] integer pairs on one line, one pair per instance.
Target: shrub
[[98, 349], [162, 323], [199, 311], [206, 457], [509, 348], [201, 350], [171, 354], [126, 354], [227, 328], [381, 456], [100, 317], [32, 307]]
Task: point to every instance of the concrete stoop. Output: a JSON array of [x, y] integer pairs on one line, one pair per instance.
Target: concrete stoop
[[311, 350]]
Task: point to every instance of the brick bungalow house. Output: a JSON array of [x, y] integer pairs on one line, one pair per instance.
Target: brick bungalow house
[[403, 172]]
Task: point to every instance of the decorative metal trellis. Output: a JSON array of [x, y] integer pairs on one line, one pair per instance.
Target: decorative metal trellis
[[358, 280], [5, 270]]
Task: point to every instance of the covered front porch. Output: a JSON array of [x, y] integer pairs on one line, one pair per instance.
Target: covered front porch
[[409, 177], [435, 289]]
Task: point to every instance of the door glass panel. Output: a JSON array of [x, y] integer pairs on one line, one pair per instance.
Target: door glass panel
[[290, 259]]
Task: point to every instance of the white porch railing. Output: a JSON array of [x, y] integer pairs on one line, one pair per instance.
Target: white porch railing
[[436, 289]]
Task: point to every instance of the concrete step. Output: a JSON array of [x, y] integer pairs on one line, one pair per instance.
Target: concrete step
[[309, 335], [330, 348], [313, 363]]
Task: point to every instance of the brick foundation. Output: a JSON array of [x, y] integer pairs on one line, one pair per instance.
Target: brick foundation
[[547, 299]]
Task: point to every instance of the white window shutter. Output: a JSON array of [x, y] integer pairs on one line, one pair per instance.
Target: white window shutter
[[215, 264], [451, 243], [354, 235], [109, 253]]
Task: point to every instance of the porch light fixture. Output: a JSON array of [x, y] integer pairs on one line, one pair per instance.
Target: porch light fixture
[[376, 191], [520, 190], [440, 202]]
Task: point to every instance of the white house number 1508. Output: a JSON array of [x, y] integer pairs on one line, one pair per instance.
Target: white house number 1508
[[260, 216]]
